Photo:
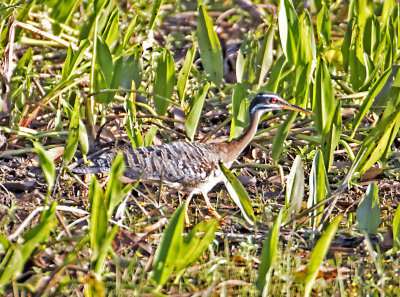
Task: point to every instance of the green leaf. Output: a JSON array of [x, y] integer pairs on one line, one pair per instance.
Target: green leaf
[[288, 30], [275, 76], [164, 81], [195, 243], [154, 14], [264, 56], [396, 230], [111, 32], [324, 103], [306, 41], [74, 59], [371, 36], [148, 139], [185, 71], [318, 254], [283, 131], [104, 68], [210, 48], [73, 131], [47, 164], [168, 252], [239, 111], [114, 193], [324, 27], [295, 187], [368, 211], [268, 253], [330, 140], [61, 12], [132, 70], [195, 112], [367, 102], [319, 185], [357, 67], [377, 144], [98, 220], [238, 194]]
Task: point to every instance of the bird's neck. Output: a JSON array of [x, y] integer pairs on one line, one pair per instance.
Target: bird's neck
[[235, 147]]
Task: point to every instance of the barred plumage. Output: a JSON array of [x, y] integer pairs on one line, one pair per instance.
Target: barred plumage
[[189, 167]]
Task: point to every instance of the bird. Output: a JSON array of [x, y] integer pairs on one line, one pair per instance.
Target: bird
[[190, 167]]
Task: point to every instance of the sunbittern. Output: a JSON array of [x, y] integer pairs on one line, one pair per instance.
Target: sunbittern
[[189, 167]]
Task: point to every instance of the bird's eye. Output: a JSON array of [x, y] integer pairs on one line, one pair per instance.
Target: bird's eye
[[273, 100]]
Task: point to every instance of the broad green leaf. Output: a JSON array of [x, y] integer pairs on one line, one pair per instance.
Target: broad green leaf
[[111, 32], [367, 102], [330, 140], [210, 48], [116, 79], [371, 36], [324, 27], [346, 44], [319, 185], [184, 73], [193, 118], [114, 193], [73, 131], [368, 211], [265, 55], [132, 70], [148, 139], [164, 81], [154, 14], [318, 254], [396, 230], [13, 264], [283, 131], [377, 144], [130, 31], [46, 163], [39, 234], [61, 13], [103, 72], [83, 138], [387, 10], [239, 195], [239, 111], [306, 41], [268, 253], [195, 243], [168, 252], [295, 187], [275, 76], [132, 129], [288, 30], [357, 67], [98, 219]]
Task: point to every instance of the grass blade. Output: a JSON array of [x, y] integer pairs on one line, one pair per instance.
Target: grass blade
[[210, 48], [268, 253], [295, 187], [195, 112], [167, 253], [164, 81], [239, 195], [185, 71], [239, 111], [368, 211], [318, 254]]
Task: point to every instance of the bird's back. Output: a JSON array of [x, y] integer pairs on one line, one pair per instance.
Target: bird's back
[[178, 164]]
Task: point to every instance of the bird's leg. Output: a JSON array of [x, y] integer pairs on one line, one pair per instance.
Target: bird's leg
[[188, 199], [210, 208]]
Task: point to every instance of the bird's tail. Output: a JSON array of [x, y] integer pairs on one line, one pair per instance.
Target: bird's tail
[[90, 170]]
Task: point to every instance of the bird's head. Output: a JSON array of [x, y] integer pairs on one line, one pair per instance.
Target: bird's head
[[268, 101]]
